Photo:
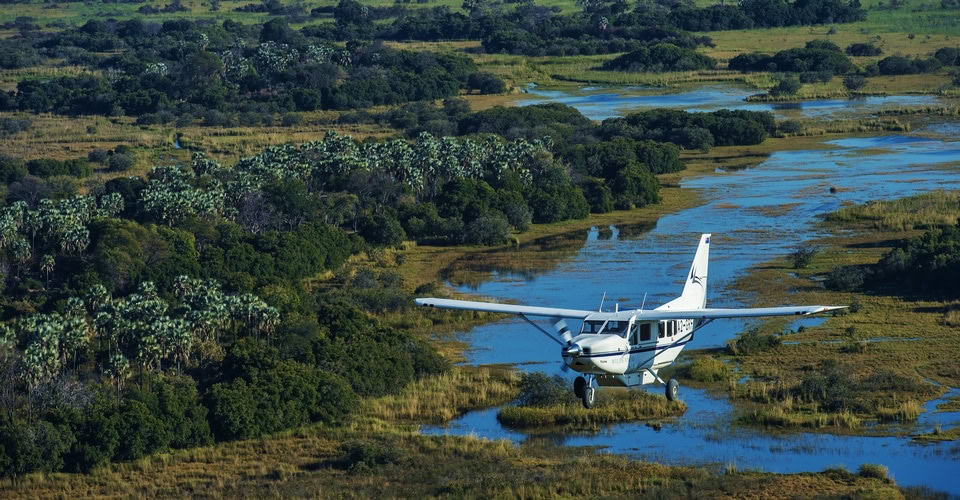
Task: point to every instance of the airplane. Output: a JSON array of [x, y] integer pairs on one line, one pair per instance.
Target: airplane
[[627, 348]]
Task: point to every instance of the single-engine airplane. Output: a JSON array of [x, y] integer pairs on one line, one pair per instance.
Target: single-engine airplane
[[627, 348]]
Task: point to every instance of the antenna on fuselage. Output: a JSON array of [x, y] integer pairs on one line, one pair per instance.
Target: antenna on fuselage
[[601, 301], [644, 301], [616, 307]]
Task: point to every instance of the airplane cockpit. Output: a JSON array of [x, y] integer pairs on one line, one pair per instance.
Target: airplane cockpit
[[609, 327]]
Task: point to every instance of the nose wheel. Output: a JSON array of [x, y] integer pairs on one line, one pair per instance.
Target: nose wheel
[[673, 390], [583, 389]]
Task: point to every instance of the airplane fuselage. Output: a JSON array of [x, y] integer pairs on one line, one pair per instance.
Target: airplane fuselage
[[623, 351]]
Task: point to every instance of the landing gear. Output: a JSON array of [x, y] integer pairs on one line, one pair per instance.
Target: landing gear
[[673, 390], [578, 386], [589, 397], [583, 388]]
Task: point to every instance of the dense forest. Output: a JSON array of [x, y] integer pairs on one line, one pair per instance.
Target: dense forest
[[183, 70], [602, 26]]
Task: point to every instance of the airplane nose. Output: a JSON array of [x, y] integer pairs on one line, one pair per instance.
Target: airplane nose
[[572, 350]]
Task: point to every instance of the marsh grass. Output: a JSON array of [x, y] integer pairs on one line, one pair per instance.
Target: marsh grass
[[442, 398], [786, 418], [936, 208], [612, 406], [908, 411]]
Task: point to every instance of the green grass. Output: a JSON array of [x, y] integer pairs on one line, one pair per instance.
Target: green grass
[[936, 208]]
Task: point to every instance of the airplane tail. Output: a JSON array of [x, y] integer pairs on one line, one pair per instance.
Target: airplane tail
[[695, 289]]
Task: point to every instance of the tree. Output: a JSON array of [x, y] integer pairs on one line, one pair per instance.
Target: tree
[[854, 82], [787, 85]]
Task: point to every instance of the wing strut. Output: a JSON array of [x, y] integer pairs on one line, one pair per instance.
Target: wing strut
[[542, 330]]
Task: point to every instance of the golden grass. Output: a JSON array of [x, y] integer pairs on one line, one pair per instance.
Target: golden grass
[[443, 398], [788, 418], [937, 208], [612, 406]]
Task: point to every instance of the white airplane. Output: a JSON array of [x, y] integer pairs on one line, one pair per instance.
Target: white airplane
[[628, 348]]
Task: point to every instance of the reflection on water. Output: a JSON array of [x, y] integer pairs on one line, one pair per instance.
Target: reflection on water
[[598, 103]]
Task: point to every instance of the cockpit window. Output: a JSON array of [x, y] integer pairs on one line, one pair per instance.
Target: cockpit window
[[592, 326]]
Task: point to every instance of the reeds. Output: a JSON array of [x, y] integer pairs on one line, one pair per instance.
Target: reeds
[[612, 407], [936, 208], [441, 398]]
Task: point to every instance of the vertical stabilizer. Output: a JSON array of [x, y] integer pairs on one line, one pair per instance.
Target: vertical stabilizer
[[695, 289]]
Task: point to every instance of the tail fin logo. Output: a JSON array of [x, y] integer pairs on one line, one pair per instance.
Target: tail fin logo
[[694, 278]]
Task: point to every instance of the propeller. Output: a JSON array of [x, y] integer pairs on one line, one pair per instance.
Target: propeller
[[563, 331]]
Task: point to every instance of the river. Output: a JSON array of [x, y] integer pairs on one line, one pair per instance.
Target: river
[[754, 214]]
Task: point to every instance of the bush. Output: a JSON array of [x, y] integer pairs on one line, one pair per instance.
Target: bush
[[753, 342], [846, 278], [488, 230], [291, 119], [97, 156], [790, 127], [120, 162], [486, 83], [540, 390], [381, 230], [365, 454], [863, 50], [786, 86], [803, 256], [854, 82]]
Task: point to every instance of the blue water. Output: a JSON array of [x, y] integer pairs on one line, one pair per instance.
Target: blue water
[[599, 103], [755, 214], [795, 184], [704, 435]]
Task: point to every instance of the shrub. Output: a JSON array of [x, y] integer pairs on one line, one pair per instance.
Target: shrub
[[381, 230], [803, 256], [854, 82], [846, 278], [786, 86], [97, 156], [291, 119], [790, 127], [863, 50], [753, 341], [540, 390], [366, 454], [120, 162], [488, 230]]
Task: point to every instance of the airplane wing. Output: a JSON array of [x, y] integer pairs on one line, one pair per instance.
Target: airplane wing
[[757, 312], [470, 305]]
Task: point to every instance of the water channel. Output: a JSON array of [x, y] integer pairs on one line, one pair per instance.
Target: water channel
[[755, 214], [600, 103]]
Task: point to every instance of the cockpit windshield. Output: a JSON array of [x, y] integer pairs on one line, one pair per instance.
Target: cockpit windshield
[[609, 327], [592, 326]]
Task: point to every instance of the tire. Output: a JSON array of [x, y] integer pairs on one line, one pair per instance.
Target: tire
[[673, 390], [589, 397], [578, 386]]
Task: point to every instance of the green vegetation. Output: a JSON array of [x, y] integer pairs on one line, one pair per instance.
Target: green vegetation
[[545, 403]]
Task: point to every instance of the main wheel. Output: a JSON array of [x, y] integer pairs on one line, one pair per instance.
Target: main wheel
[[578, 386], [673, 390], [589, 397]]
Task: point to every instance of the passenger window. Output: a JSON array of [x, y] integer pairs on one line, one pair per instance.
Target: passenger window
[[645, 332], [663, 329], [673, 328]]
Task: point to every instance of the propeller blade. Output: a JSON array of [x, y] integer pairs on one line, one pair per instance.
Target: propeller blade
[[560, 325]]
